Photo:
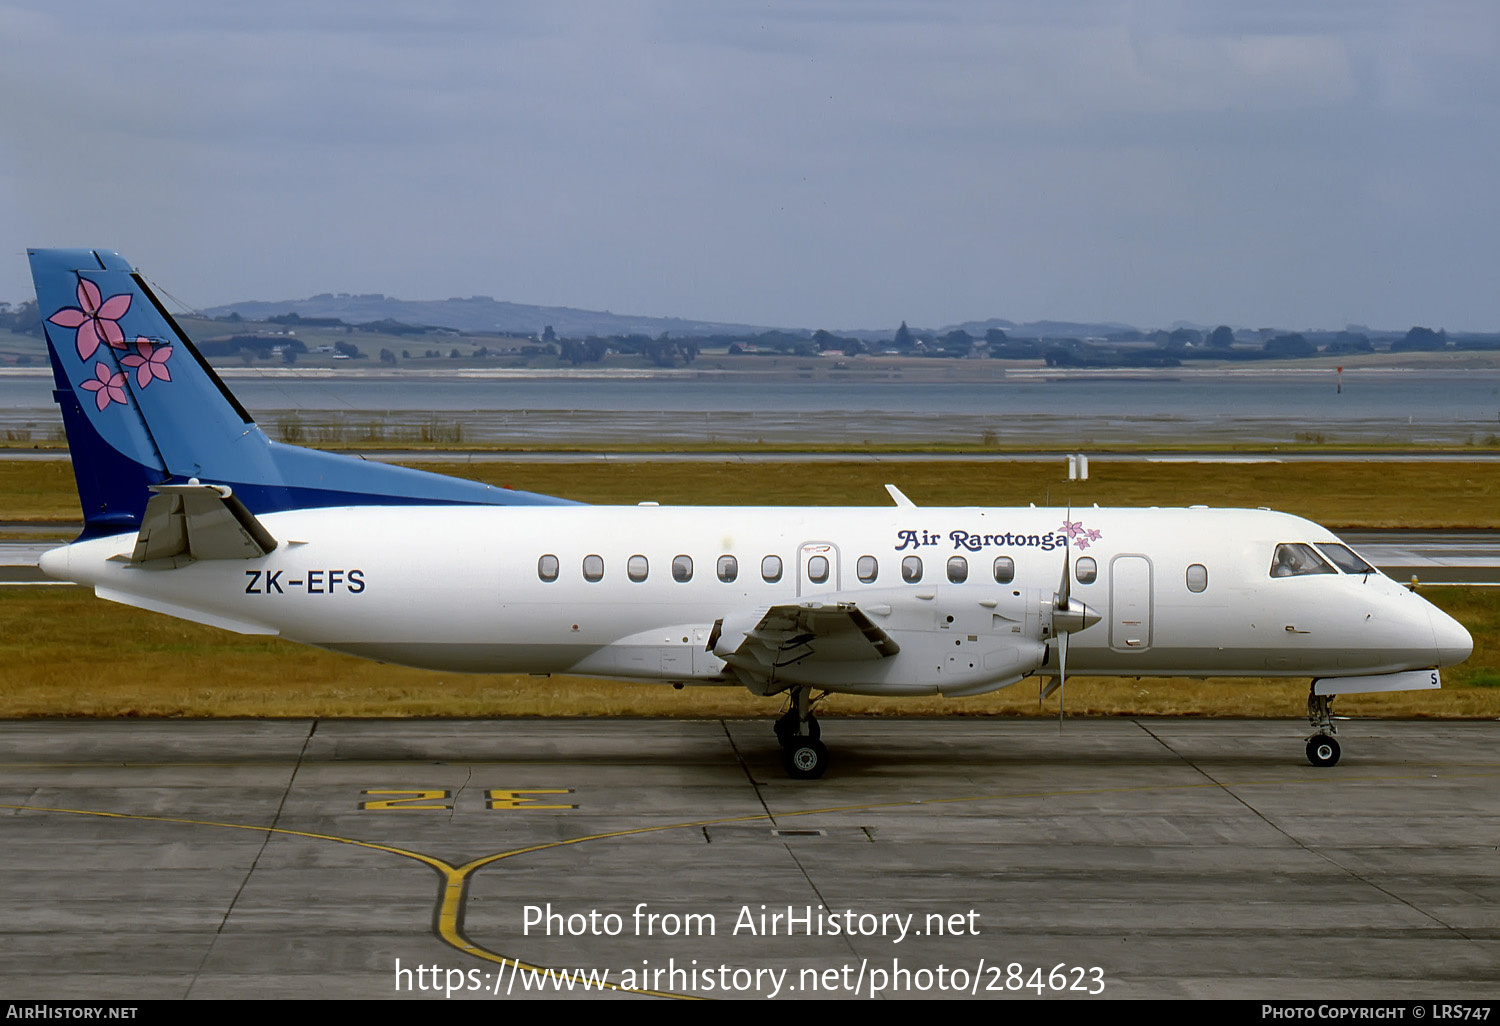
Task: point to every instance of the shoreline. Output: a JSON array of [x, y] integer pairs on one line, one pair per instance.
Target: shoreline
[[860, 370]]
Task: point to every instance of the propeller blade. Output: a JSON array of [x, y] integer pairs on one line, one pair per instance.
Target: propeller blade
[[1065, 620], [1062, 677], [1055, 682], [1064, 591]]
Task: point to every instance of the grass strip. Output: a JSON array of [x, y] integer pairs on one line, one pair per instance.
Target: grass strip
[[1416, 494]]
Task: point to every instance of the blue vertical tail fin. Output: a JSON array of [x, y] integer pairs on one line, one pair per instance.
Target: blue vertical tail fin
[[142, 407]]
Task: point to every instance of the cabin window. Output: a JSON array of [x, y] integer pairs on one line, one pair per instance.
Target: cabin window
[[770, 569], [1005, 570], [1197, 577], [1086, 571], [682, 569], [867, 568], [1294, 559], [546, 568], [729, 569], [636, 568], [1345, 559], [593, 568], [911, 569], [817, 569], [958, 569]]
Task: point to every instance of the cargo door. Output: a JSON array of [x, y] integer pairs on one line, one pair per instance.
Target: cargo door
[[1130, 604], [817, 568]]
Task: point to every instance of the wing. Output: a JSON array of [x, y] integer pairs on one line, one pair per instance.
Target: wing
[[799, 635], [939, 640]]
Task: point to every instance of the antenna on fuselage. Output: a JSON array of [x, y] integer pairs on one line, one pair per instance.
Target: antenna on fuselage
[[897, 496]]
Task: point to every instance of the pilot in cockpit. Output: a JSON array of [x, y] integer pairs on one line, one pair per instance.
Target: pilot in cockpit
[[1287, 562]]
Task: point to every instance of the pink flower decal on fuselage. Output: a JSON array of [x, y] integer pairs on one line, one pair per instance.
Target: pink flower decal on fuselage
[[1079, 535], [107, 387], [97, 319], [149, 361]]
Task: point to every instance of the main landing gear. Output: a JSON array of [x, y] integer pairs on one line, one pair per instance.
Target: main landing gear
[[1322, 748], [802, 754]]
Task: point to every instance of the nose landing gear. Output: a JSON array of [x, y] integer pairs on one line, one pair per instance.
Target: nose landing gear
[[1322, 748]]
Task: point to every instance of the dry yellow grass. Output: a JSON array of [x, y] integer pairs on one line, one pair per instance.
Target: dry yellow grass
[[1416, 493], [65, 653], [38, 490], [1396, 494]]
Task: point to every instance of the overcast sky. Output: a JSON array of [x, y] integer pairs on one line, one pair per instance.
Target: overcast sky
[[815, 163]]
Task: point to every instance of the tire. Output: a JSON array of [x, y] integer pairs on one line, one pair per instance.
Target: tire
[[1322, 750], [806, 759]]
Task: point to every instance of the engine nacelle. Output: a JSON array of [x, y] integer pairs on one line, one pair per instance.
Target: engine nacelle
[[892, 641]]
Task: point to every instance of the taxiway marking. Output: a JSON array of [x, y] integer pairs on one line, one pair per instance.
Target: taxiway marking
[[454, 879]]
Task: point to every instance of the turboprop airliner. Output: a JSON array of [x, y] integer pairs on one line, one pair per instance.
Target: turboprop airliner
[[191, 510]]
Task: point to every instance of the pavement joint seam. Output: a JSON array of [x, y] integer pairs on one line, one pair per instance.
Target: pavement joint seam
[[1317, 853], [254, 862], [755, 785]]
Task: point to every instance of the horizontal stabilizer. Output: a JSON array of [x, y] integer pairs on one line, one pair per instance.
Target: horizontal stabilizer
[[200, 521]]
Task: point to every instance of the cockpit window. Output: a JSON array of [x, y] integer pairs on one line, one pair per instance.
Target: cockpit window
[[1294, 559], [1345, 559]]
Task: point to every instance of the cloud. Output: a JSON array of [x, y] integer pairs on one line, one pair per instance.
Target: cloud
[[819, 162]]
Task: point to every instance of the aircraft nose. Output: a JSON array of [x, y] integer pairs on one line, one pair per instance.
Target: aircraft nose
[[1453, 642]]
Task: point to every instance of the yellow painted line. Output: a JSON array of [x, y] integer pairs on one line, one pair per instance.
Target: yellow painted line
[[450, 898], [406, 801]]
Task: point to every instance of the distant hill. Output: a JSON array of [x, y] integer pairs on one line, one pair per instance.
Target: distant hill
[[480, 315], [1050, 329], [1029, 329]]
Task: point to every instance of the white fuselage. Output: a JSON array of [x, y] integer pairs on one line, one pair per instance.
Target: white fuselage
[[1181, 592]]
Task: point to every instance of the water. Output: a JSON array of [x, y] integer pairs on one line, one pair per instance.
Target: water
[[1031, 408]]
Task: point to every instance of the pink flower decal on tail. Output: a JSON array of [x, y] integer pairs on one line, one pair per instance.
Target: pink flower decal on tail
[[149, 361], [97, 319], [107, 387]]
